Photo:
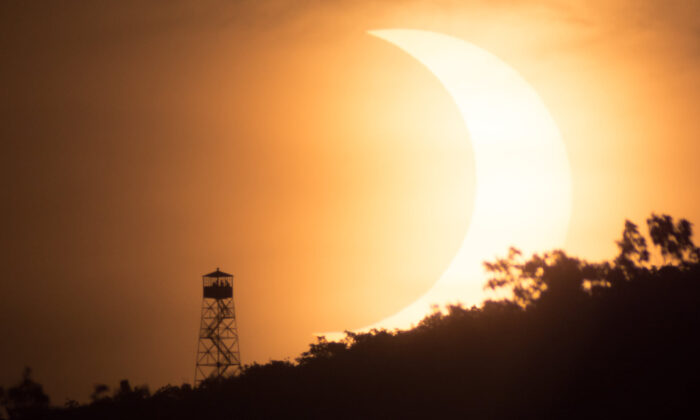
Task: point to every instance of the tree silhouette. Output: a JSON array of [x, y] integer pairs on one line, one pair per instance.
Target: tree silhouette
[[125, 393], [550, 276], [99, 392], [633, 249], [575, 339], [26, 399], [674, 240]]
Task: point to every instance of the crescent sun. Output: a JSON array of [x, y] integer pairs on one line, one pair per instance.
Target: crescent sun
[[523, 179]]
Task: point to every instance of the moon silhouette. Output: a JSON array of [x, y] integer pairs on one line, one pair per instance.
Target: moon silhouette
[[523, 180]]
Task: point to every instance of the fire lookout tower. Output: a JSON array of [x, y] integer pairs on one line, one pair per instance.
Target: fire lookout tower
[[217, 352]]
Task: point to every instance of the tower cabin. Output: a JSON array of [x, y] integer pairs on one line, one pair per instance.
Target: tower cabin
[[218, 285]]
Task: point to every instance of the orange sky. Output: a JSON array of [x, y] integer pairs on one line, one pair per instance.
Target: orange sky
[[329, 171]]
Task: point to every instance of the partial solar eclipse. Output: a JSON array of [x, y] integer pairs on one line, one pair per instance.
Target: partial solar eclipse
[[523, 179]]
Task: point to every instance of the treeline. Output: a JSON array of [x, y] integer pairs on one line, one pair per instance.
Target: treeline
[[577, 339]]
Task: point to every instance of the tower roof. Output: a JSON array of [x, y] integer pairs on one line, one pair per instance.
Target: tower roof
[[218, 273]]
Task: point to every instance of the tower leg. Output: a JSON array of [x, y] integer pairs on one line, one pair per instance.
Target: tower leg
[[218, 355]]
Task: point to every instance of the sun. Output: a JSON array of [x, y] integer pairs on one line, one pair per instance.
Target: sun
[[523, 179]]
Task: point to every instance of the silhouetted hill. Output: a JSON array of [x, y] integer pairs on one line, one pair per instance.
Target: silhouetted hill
[[577, 340]]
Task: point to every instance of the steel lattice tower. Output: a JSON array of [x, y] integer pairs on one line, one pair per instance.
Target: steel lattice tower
[[217, 352]]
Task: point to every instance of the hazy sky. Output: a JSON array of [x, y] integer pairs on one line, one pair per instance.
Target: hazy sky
[[143, 146]]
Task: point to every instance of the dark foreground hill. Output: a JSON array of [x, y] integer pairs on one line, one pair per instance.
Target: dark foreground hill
[[577, 340]]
